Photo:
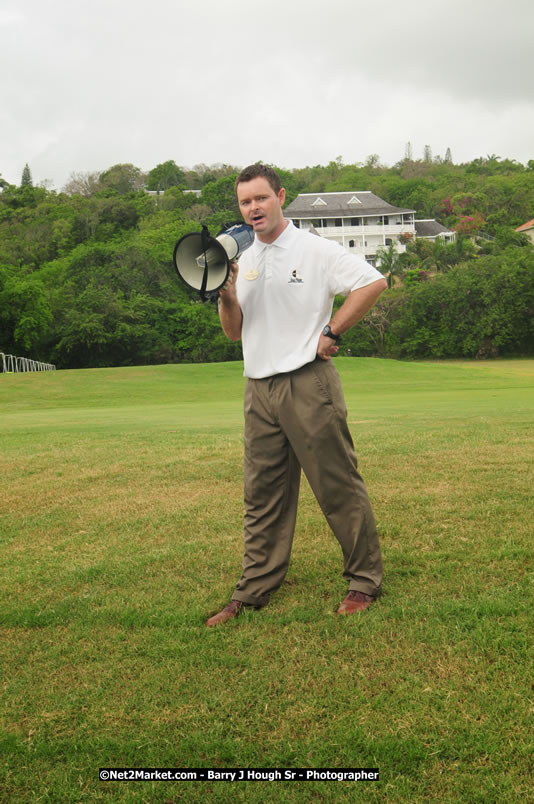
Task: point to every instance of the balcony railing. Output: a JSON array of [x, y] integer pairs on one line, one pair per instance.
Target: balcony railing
[[364, 231]]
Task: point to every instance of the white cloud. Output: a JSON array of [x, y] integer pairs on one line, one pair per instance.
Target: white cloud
[[293, 82]]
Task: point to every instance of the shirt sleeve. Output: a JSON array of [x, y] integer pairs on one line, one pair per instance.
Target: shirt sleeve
[[348, 272]]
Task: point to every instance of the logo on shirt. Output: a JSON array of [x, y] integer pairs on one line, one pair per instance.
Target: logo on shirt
[[295, 277], [251, 275]]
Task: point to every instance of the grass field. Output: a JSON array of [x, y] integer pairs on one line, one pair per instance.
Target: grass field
[[120, 532]]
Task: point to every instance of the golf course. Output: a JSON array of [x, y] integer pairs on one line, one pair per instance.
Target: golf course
[[121, 509]]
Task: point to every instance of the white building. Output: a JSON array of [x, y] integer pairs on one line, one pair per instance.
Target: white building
[[528, 229], [430, 229], [360, 221]]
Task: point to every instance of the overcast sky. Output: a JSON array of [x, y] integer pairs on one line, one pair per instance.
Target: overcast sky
[[86, 85]]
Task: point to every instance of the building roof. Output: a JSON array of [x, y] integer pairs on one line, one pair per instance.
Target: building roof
[[337, 205], [525, 226], [430, 228]]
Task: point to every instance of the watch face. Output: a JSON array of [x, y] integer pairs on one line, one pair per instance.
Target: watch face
[[329, 334]]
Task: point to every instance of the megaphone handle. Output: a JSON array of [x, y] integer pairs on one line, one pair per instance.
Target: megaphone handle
[[204, 235], [204, 283]]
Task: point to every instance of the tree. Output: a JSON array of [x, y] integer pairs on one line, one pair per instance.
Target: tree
[[448, 156], [219, 195], [379, 318], [389, 262], [85, 184], [372, 162], [26, 180], [427, 157], [479, 309], [504, 237], [24, 313], [460, 250], [166, 175], [201, 174], [123, 178], [469, 225], [408, 153]]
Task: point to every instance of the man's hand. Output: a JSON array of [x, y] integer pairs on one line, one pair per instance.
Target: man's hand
[[227, 292], [230, 313], [326, 347], [353, 309]]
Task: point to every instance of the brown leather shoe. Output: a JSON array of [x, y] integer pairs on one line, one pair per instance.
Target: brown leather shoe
[[233, 609], [355, 601]]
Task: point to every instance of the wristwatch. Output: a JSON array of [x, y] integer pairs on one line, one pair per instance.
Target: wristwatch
[[329, 334]]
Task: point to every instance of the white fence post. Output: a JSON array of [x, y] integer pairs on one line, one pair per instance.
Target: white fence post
[[16, 364]]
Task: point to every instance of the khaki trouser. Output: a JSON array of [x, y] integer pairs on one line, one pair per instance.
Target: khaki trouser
[[299, 420]]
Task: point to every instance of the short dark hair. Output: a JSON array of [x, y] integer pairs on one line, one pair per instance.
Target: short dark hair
[[260, 171]]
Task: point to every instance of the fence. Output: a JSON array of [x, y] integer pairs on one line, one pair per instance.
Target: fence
[[13, 363]]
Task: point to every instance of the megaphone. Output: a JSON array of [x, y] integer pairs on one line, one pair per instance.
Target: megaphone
[[203, 261]]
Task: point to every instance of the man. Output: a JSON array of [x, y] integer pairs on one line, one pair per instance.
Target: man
[[279, 303]]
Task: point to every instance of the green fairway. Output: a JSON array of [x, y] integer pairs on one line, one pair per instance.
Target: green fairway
[[121, 532]]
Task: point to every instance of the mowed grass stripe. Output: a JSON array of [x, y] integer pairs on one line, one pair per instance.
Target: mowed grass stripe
[[120, 531]]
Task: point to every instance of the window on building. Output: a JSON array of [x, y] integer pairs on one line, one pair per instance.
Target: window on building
[[351, 243], [338, 222], [389, 241], [355, 221]]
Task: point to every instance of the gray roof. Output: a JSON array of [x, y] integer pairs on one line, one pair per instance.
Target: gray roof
[[430, 228], [336, 205]]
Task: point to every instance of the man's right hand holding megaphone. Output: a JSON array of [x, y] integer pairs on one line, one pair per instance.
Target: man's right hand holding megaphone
[[205, 263]]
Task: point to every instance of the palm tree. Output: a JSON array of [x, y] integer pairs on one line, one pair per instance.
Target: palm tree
[[389, 262], [439, 254]]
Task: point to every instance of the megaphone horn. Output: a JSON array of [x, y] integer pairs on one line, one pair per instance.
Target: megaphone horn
[[203, 261]]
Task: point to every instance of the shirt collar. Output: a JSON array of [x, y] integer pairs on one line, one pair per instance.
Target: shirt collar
[[282, 241]]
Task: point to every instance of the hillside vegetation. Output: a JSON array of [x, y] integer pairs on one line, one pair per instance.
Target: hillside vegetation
[[86, 275]]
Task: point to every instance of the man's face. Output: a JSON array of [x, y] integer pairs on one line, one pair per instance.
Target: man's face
[[261, 208]]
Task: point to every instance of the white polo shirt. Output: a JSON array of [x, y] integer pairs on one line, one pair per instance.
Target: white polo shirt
[[286, 291]]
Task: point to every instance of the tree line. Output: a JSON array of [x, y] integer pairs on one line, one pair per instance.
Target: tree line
[[86, 274]]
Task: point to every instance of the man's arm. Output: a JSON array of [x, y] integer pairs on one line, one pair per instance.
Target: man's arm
[[353, 309], [230, 313]]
